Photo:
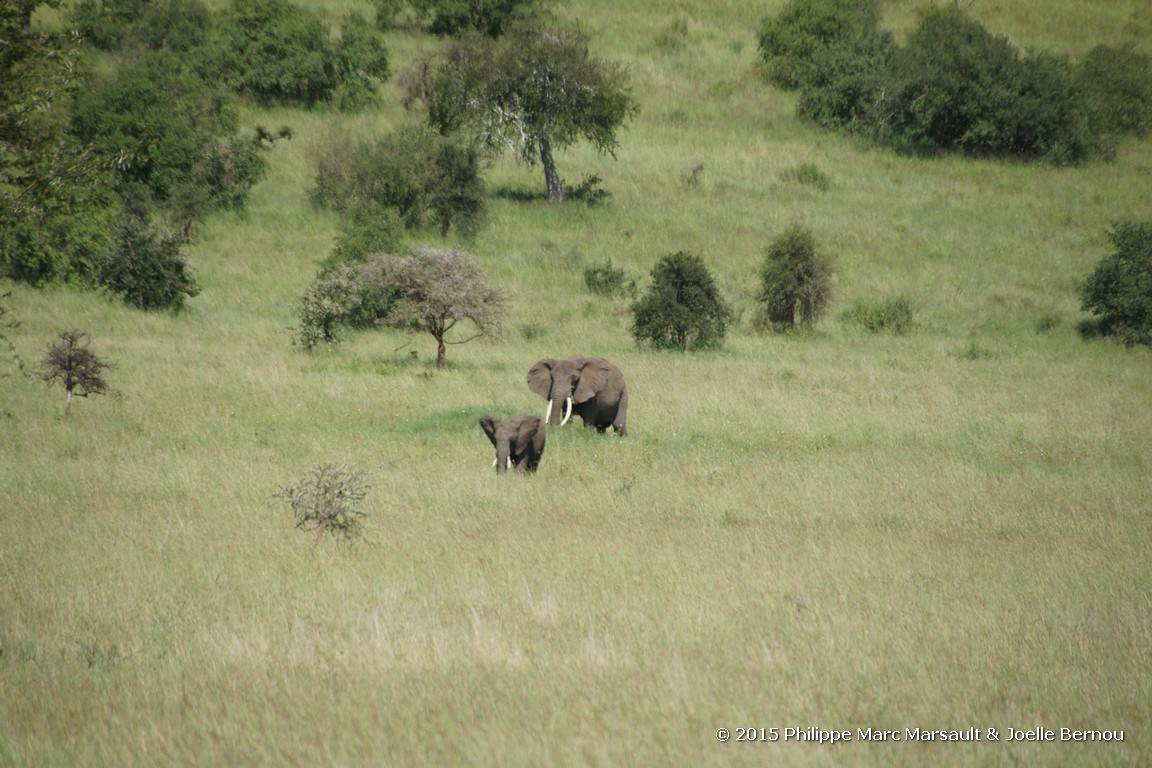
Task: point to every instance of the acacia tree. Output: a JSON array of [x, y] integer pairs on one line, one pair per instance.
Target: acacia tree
[[436, 290], [76, 367], [531, 91]]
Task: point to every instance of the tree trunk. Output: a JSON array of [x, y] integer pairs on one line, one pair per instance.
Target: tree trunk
[[441, 351], [551, 178]]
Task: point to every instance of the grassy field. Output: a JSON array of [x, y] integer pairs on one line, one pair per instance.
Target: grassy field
[[836, 530]]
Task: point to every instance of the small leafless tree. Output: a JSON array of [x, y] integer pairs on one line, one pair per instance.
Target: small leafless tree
[[5, 325], [437, 290], [76, 367]]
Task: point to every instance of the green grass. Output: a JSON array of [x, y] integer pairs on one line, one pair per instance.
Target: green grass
[[838, 529]]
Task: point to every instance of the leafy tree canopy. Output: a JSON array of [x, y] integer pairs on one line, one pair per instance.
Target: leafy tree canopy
[[531, 91], [438, 290]]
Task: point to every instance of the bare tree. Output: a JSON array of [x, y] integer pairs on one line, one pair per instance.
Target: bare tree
[[6, 324], [75, 366], [437, 290]]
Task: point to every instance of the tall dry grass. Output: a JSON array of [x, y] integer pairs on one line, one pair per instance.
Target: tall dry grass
[[946, 529]]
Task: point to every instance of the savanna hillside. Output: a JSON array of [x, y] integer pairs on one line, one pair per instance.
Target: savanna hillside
[[837, 529]]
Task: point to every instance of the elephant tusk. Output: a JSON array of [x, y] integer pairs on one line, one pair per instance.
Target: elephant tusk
[[509, 462], [567, 411], [548, 412], [495, 461]]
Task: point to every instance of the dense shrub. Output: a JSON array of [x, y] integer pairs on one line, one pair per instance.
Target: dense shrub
[[161, 125], [846, 81], [490, 17], [893, 315], [363, 234], [426, 178], [339, 298], [275, 50], [110, 25], [1118, 293], [795, 280], [607, 280], [1119, 80], [792, 43], [683, 308], [954, 86], [145, 268]]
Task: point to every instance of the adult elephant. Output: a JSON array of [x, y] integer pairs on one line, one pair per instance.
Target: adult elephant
[[590, 387], [519, 441]]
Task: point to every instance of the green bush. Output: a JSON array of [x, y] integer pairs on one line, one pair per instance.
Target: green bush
[[165, 128], [893, 315], [792, 43], [426, 178], [808, 174], [606, 280], [328, 501], [145, 268], [111, 25], [339, 298], [795, 280], [1119, 80], [683, 308], [363, 234], [954, 86], [1118, 293], [277, 51], [489, 17], [846, 81]]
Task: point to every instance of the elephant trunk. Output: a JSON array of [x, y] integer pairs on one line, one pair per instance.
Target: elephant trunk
[[503, 457], [551, 417]]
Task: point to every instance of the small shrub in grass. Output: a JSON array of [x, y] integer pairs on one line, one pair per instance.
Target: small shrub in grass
[[893, 315], [589, 191], [328, 501], [607, 280], [74, 365], [1047, 323], [1118, 293], [808, 174]]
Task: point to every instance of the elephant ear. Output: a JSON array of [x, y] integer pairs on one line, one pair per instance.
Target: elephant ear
[[488, 423], [593, 378], [529, 426], [540, 377]]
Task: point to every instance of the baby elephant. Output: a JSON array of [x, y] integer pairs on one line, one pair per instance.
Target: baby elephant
[[519, 441]]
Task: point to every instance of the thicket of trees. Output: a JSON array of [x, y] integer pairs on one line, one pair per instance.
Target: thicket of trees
[[953, 86], [118, 137]]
